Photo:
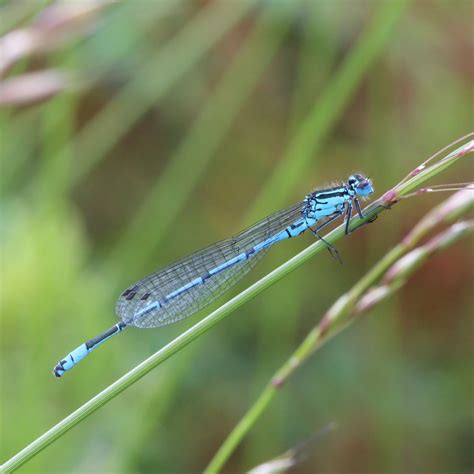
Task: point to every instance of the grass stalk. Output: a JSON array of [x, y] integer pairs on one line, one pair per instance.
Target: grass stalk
[[216, 316], [394, 269]]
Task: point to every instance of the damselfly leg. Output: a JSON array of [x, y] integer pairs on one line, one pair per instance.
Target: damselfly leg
[[332, 250], [361, 216]]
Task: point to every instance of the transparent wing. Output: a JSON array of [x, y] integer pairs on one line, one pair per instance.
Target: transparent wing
[[158, 285]]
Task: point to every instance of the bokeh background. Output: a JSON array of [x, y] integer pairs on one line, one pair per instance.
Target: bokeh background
[[134, 133]]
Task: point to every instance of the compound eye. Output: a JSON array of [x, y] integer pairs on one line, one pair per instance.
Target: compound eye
[[364, 187]]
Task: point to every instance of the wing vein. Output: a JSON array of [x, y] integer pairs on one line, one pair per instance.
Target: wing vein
[[162, 283]]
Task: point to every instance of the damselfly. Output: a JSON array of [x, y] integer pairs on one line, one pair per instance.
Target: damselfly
[[189, 285]]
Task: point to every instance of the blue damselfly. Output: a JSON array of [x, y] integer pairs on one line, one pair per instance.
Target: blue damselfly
[[185, 287]]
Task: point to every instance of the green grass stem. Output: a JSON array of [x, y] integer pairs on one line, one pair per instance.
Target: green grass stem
[[397, 266], [216, 316]]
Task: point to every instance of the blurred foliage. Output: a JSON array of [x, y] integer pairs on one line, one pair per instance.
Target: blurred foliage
[[133, 133]]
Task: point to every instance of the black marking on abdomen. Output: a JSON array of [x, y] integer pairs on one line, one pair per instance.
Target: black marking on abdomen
[[295, 226], [93, 342], [205, 276], [288, 232], [250, 252]]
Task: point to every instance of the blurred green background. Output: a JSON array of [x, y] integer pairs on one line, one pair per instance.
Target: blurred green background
[[134, 133]]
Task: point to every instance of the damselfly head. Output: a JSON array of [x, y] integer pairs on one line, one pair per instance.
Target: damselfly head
[[360, 184]]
